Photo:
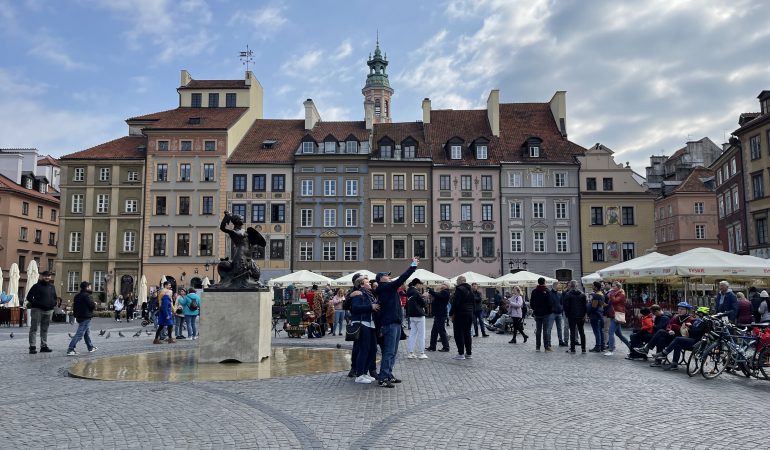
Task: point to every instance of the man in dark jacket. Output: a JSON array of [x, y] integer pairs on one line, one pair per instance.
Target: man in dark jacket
[[478, 309], [557, 311], [463, 305], [575, 310], [83, 309], [756, 300], [391, 317], [727, 302], [439, 308], [42, 300], [540, 301]]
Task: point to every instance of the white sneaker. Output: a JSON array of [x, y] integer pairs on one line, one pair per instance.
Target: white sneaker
[[371, 378], [72, 353], [411, 356], [93, 349], [459, 357], [363, 379], [422, 356], [608, 353]]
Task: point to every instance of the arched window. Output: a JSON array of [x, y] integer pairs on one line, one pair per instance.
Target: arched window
[[377, 107], [387, 108]]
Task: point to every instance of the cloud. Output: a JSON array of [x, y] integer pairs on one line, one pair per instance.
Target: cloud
[[263, 21], [142, 84], [343, 51], [47, 47]]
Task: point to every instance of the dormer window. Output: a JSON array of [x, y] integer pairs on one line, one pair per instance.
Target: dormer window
[[194, 120], [43, 188], [330, 147], [351, 147], [269, 143], [28, 183], [410, 151], [534, 151], [386, 151], [195, 100], [308, 147], [456, 152], [481, 151]]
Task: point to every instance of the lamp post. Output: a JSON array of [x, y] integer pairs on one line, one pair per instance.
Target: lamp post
[[518, 262], [213, 265]]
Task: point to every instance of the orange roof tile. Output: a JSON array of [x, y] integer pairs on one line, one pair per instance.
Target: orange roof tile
[[215, 84], [179, 118], [340, 130], [287, 135], [126, 147], [8, 185], [48, 161], [400, 131], [694, 181]]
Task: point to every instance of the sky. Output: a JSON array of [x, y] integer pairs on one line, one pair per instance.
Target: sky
[[642, 77]]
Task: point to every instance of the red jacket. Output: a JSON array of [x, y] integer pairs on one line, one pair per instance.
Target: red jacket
[[618, 300], [675, 324], [648, 323]]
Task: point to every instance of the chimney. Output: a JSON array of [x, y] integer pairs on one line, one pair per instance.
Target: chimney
[[369, 113], [311, 114], [559, 111], [493, 111], [249, 76], [426, 110], [185, 78]]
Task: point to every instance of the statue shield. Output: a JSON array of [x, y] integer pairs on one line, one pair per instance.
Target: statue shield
[[255, 237]]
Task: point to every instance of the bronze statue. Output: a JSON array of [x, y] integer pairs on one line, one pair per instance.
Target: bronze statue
[[240, 270]]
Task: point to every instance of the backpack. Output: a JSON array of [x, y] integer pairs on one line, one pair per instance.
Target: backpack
[[193, 306]]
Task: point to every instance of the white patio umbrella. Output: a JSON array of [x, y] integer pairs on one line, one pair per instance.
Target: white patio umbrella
[[623, 269], [299, 279], [590, 278], [473, 277], [13, 285], [206, 282], [32, 276], [1, 279], [705, 263], [347, 280], [522, 278], [163, 280], [427, 277], [142, 289]]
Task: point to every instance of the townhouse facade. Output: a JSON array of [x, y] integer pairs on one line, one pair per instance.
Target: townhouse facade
[[731, 199]]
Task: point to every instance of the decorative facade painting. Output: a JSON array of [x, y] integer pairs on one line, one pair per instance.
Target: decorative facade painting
[[613, 251], [613, 216]]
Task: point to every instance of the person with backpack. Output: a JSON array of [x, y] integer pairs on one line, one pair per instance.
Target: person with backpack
[[191, 307]]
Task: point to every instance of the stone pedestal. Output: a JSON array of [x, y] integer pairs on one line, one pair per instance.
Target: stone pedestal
[[235, 326]]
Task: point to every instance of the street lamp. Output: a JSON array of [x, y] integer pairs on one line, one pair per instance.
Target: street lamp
[[519, 262]]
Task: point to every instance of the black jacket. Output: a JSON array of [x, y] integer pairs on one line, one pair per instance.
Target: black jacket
[[42, 296], [574, 304], [540, 301], [83, 306], [415, 304], [476, 301], [440, 302], [661, 322], [463, 300]]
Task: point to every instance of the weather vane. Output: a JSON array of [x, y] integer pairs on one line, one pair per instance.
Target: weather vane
[[247, 57]]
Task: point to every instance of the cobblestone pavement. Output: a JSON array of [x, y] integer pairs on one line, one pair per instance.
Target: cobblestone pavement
[[507, 396]]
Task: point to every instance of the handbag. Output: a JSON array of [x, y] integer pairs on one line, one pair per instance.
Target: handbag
[[620, 317], [353, 331], [403, 334]]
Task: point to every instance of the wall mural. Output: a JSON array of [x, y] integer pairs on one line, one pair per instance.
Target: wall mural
[[613, 252], [613, 218]]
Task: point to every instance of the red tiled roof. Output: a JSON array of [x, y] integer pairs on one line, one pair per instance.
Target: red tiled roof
[[179, 118], [694, 182], [8, 185], [465, 124], [215, 84], [126, 147], [340, 130], [678, 154], [400, 131], [520, 121], [287, 133], [48, 161], [758, 120]]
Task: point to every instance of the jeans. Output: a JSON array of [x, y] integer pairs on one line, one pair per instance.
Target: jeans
[[365, 349], [82, 333], [117, 314], [566, 327], [597, 325], [575, 328], [678, 345], [192, 327], [339, 321], [478, 322], [541, 330], [417, 336], [616, 330], [40, 319], [167, 330], [178, 321], [660, 340], [518, 327], [391, 334], [462, 331], [556, 318], [438, 331]]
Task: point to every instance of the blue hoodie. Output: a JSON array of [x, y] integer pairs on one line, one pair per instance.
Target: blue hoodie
[[185, 302]]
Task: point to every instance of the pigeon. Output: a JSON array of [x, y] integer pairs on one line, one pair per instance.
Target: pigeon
[[70, 335], [108, 335], [148, 333], [138, 333], [11, 335], [101, 332], [120, 333]]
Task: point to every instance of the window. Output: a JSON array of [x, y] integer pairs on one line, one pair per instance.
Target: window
[[481, 152], [465, 183], [23, 234], [162, 146], [445, 247], [185, 146], [399, 249], [562, 242], [239, 209], [698, 207], [230, 98], [761, 226], [159, 244], [466, 212], [444, 182], [487, 247], [607, 184], [132, 176], [378, 181], [486, 182], [213, 100], [629, 251], [399, 182], [410, 151], [738, 239], [754, 147], [514, 179], [79, 175], [207, 206], [466, 247], [700, 231], [351, 147], [129, 241], [207, 244], [99, 282], [515, 210], [590, 184], [25, 208], [208, 172], [185, 172], [597, 215], [538, 210], [597, 252], [195, 100], [51, 238], [131, 206], [445, 212], [728, 204], [351, 188], [161, 172], [278, 213], [399, 214], [418, 247], [418, 214], [730, 240], [183, 244], [736, 201], [239, 183], [330, 218], [38, 236], [73, 281], [350, 251], [330, 147], [627, 215], [386, 152], [486, 213], [560, 209], [538, 241], [721, 206], [534, 151], [329, 251], [160, 206], [54, 213], [39, 212], [306, 188], [104, 174], [102, 203], [305, 251], [258, 213], [100, 242], [330, 188], [277, 248], [758, 186], [378, 248], [77, 203], [308, 147], [22, 261], [184, 206], [456, 152], [351, 217], [28, 183], [378, 213], [278, 183], [560, 179], [719, 177], [75, 238], [306, 218], [538, 179]]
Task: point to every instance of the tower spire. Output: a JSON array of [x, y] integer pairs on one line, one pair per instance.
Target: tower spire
[[377, 89]]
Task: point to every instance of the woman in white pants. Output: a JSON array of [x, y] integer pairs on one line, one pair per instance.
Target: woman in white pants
[[415, 310]]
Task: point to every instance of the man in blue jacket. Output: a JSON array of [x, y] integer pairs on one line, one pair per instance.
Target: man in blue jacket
[[726, 301], [391, 318]]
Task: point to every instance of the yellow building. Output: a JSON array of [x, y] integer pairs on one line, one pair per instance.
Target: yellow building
[[616, 211]]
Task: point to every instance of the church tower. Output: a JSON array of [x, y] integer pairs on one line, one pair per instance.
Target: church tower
[[377, 90]]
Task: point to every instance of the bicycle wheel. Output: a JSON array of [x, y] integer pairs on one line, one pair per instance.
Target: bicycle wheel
[[694, 363], [763, 362], [714, 360]]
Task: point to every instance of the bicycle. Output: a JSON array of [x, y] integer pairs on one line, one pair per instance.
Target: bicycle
[[725, 353], [713, 327]]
